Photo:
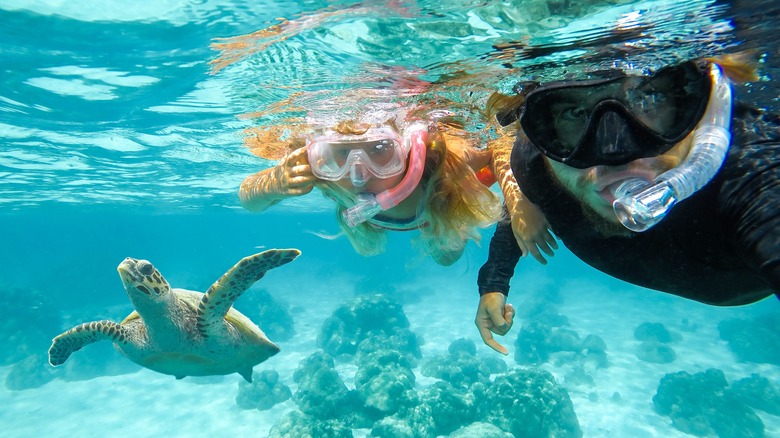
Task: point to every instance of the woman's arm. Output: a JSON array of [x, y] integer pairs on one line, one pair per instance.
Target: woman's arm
[[529, 225]]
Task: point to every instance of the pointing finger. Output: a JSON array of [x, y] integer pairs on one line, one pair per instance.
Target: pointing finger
[[487, 337]]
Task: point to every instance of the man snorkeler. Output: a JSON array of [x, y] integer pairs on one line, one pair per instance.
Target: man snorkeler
[[610, 162]]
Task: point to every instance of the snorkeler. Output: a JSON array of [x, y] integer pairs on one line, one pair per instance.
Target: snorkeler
[[655, 180], [391, 175]]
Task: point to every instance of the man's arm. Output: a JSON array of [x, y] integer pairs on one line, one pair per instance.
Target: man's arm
[[503, 255], [494, 315], [752, 197]]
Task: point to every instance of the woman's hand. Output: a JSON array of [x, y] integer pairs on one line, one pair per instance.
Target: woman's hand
[[494, 316], [532, 231], [292, 176]]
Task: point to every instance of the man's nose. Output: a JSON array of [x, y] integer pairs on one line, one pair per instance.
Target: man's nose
[[613, 135]]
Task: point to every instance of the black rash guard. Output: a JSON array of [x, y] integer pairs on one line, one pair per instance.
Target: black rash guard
[[721, 246]]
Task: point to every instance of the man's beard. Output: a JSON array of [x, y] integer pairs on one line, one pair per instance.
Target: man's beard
[[603, 226], [599, 223]]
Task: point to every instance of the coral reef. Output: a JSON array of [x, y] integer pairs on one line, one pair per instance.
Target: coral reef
[[273, 317], [402, 340], [697, 403], [361, 318], [595, 350], [753, 340], [578, 375], [297, 424], [542, 307], [532, 344], [368, 285], [265, 391], [461, 367], [322, 393], [653, 331], [528, 402], [373, 332], [481, 430], [450, 408], [655, 352], [394, 427], [537, 342], [758, 393], [384, 380], [653, 337], [434, 411]]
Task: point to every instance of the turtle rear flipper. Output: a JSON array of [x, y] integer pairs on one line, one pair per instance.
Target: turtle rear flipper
[[76, 338], [225, 291]]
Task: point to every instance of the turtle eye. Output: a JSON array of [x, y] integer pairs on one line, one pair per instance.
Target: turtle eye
[[145, 268]]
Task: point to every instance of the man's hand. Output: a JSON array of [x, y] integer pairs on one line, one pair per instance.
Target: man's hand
[[494, 316]]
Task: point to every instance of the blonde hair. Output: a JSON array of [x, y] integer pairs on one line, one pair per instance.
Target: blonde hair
[[454, 205], [740, 67]]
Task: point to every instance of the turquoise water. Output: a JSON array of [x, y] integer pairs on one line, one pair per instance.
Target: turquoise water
[[119, 139]]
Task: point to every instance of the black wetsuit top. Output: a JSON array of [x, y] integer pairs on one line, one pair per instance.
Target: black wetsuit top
[[720, 246]]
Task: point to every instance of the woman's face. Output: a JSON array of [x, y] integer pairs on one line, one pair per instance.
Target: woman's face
[[372, 183], [374, 152]]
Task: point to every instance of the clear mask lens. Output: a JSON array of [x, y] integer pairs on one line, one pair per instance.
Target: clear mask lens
[[380, 154], [561, 119]]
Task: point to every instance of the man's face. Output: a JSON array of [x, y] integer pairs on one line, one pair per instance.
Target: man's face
[[594, 186]]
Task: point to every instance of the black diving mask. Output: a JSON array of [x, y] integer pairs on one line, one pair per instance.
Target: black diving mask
[[618, 118]]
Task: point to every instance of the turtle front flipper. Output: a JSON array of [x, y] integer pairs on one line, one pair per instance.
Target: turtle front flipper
[[224, 292], [84, 334]]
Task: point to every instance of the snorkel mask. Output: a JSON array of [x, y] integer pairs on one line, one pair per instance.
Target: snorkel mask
[[615, 118], [379, 152]]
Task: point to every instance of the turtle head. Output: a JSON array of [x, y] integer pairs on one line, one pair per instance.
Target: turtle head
[[142, 280]]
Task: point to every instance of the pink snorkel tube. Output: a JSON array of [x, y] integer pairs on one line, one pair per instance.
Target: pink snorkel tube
[[369, 205]]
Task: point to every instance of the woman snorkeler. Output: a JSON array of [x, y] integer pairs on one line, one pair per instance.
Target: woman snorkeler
[[395, 173]]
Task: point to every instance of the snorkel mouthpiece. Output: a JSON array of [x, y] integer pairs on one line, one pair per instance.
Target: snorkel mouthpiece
[[641, 204], [366, 207], [369, 205]]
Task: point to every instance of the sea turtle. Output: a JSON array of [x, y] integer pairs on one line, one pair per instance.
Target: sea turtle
[[181, 332]]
